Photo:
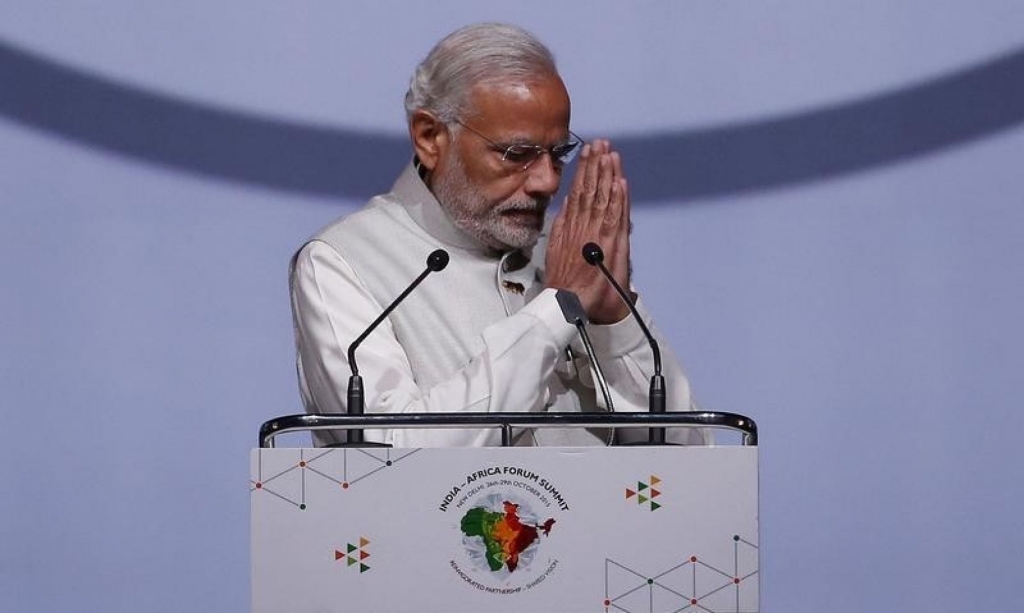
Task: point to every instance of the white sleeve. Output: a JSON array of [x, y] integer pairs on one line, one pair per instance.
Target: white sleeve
[[628, 362], [332, 308]]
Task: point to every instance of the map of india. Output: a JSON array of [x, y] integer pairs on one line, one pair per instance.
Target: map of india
[[504, 535]]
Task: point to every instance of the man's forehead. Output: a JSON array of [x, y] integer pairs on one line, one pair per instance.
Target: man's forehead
[[520, 108], [518, 91], [510, 90]]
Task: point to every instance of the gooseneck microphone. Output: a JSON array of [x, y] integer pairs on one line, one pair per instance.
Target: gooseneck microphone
[[573, 312], [594, 256], [436, 262]]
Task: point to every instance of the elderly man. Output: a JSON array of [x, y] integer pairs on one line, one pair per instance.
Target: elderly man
[[488, 118]]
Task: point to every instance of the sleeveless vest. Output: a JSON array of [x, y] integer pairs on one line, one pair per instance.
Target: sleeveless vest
[[439, 324]]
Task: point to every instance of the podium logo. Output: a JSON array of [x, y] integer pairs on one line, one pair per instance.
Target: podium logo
[[506, 516], [645, 493], [500, 537]]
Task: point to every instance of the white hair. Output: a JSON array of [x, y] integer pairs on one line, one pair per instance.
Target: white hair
[[470, 56]]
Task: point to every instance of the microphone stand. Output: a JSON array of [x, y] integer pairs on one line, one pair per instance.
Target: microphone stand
[[574, 314], [436, 261], [594, 256]]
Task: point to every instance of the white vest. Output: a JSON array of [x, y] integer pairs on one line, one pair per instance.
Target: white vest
[[439, 324]]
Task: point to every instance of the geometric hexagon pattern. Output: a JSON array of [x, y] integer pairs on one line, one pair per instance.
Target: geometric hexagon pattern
[[691, 585], [288, 481]]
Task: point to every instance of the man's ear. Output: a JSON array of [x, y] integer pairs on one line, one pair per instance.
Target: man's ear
[[430, 138]]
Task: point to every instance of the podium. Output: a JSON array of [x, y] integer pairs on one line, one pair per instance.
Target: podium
[[505, 529]]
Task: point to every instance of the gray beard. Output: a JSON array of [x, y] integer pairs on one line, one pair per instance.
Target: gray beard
[[472, 213]]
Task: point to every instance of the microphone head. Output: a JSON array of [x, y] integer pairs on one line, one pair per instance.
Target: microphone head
[[437, 260], [592, 254]]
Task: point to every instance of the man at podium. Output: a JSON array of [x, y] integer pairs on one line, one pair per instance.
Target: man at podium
[[488, 119]]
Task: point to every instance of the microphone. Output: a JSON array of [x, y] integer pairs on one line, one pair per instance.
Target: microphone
[[594, 256], [436, 262], [573, 312]]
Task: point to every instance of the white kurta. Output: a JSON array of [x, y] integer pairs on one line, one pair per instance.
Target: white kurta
[[483, 335]]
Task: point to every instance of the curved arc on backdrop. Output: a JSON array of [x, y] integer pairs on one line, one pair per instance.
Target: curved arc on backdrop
[[190, 137]]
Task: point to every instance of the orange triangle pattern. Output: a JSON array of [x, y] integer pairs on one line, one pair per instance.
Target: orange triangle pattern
[[648, 496], [355, 554]]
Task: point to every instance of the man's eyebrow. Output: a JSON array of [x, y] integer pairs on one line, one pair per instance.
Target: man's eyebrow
[[516, 139], [525, 140]]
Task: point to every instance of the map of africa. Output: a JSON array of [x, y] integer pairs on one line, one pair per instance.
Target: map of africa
[[504, 535]]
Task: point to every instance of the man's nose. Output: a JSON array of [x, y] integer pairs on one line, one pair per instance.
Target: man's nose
[[544, 176]]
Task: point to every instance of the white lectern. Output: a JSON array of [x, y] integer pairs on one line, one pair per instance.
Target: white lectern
[[560, 530]]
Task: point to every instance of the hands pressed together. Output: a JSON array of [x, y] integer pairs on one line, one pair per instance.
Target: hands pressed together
[[596, 210]]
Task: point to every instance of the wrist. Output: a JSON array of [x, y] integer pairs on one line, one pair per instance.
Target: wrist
[[607, 317]]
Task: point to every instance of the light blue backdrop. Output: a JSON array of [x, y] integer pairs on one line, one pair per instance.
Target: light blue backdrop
[[828, 227]]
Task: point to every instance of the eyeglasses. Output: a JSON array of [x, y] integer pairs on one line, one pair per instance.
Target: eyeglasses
[[524, 156]]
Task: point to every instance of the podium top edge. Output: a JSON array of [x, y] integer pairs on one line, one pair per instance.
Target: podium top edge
[[688, 419]]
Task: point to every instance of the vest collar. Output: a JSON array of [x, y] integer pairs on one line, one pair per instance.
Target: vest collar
[[426, 211]]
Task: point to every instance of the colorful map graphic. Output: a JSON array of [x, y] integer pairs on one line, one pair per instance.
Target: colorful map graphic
[[504, 535]]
